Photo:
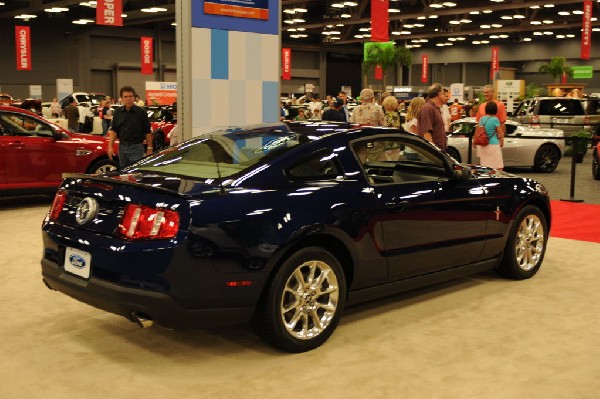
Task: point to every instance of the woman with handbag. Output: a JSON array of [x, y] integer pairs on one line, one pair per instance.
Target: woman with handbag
[[489, 138]]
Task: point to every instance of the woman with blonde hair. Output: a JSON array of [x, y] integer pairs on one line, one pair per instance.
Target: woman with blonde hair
[[412, 113], [392, 117]]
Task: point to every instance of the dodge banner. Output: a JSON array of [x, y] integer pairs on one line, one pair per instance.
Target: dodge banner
[[147, 52], [23, 48]]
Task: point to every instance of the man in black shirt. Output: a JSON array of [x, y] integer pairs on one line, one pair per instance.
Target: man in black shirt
[[335, 113], [130, 124]]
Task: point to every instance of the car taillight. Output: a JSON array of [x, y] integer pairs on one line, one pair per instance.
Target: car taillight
[[144, 222], [535, 120], [57, 205]]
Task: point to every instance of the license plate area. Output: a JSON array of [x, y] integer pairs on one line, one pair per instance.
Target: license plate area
[[78, 262]]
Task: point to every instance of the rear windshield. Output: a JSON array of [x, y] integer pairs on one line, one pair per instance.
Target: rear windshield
[[559, 106], [221, 154]]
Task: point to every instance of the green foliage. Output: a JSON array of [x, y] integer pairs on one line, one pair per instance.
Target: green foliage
[[556, 67], [532, 90], [579, 146], [386, 55]]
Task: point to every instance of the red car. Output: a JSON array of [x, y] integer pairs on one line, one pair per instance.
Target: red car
[[34, 153]]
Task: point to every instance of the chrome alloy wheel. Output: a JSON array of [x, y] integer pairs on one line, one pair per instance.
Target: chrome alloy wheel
[[310, 300], [529, 245]]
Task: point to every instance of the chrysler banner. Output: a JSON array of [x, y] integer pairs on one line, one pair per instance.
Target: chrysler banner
[[147, 55], [23, 47], [424, 68], [109, 12], [286, 63]]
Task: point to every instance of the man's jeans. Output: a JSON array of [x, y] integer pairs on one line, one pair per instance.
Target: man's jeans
[[129, 153]]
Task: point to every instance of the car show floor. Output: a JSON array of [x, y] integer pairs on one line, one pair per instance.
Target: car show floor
[[476, 337]]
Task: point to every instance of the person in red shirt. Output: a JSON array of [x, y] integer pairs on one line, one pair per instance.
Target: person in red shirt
[[456, 111], [488, 93]]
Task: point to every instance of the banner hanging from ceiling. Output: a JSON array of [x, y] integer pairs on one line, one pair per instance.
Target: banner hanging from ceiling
[[495, 63], [147, 53], [109, 12], [379, 21], [23, 48], [586, 30], [286, 63], [424, 68]]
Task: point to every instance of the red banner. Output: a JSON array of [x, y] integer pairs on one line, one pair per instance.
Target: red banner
[[286, 63], [586, 30], [495, 62], [23, 47], [109, 12], [378, 72], [424, 68], [379, 21], [147, 52]]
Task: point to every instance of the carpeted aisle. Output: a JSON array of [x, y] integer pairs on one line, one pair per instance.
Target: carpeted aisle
[[575, 221]]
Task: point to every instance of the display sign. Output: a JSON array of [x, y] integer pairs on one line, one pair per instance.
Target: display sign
[[347, 90], [309, 87], [203, 15], [583, 72], [109, 12], [586, 30], [424, 68], [457, 91], [64, 87], [35, 91], [23, 48], [495, 62], [256, 9], [379, 21], [147, 54], [161, 93], [286, 63]]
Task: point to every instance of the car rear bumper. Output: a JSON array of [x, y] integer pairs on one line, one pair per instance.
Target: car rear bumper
[[123, 301]]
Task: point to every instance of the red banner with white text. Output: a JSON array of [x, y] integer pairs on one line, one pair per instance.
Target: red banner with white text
[[286, 63], [109, 12], [424, 68], [586, 30], [379, 21], [147, 52], [495, 62], [23, 48], [378, 72]]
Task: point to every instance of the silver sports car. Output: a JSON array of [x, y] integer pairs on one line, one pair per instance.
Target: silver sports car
[[539, 148]]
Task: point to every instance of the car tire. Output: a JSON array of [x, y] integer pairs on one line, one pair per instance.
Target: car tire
[[158, 140], [304, 302], [103, 166], [453, 152], [546, 159], [595, 165], [526, 244]]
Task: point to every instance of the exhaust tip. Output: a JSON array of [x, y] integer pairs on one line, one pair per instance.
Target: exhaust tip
[[142, 320]]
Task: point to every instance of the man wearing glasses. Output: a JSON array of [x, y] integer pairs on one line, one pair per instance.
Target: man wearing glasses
[[130, 124]]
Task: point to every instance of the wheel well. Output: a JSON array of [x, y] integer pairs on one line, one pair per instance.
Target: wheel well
[[552, 145], [327, 242], [544, 207]]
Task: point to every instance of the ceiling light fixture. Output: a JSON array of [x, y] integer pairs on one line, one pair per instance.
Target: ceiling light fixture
[[83, 21], [56, 9], [25, 17]]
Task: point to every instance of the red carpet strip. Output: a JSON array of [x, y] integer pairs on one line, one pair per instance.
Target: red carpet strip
[[576, 221]]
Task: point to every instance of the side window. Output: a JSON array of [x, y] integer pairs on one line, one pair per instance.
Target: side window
[[319, 166], [399, 161], [510, 128], [523, 108], [22, 125]]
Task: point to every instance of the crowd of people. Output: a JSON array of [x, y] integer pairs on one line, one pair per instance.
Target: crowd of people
[[429, 116]]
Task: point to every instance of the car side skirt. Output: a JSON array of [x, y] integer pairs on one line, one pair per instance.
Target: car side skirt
[[388, 289]]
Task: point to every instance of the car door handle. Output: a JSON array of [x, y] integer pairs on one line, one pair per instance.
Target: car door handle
[[397, 205], [16, 144]]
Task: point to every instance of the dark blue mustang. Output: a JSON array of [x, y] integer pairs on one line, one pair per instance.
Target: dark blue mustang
[[285, 229]]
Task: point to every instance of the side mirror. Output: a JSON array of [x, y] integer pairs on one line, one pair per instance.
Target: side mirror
[[461, 171]]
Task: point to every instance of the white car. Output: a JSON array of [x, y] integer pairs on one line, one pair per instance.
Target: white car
[[541, 152]]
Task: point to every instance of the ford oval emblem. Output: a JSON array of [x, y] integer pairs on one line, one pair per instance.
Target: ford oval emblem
[[86, 210], [77, 261]]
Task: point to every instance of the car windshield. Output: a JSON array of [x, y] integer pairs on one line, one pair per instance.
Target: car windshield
[[221, 154]]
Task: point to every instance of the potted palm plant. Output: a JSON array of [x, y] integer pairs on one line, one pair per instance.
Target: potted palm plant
[[556, 68], [385, 55], [578, 144]]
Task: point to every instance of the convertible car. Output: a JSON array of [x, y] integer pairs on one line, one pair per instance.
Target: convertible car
[[284, 229], [34, 153], [539, 148]]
